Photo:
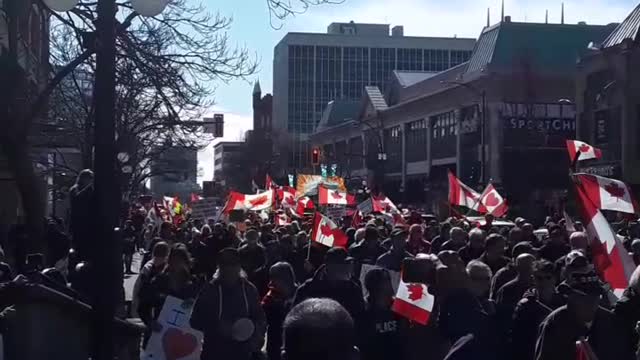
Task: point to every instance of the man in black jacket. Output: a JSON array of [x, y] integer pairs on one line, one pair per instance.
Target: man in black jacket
[[333, 280], [582, 318]]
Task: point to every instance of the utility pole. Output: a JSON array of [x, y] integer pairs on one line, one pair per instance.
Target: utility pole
[[105, 263]]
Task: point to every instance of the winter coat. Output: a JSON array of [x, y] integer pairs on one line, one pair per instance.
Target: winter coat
[[275, 308], [217, 308], [560, 331], [527, 317], [348, 293], [627, 312]]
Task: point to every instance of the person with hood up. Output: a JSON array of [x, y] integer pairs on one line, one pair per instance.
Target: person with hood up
[[228, 312], [334, 280]]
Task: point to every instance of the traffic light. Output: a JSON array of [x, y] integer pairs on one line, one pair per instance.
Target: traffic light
[[315, 156]]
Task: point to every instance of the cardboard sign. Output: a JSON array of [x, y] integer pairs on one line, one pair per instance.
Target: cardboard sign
[[177, 340], [395, 278], [205, 209], [366, 207], [336, 212]]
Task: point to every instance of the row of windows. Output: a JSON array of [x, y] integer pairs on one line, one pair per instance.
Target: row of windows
[[444, 125]]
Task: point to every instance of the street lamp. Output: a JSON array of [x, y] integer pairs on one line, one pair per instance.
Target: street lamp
[[105, 258], [483, 96]]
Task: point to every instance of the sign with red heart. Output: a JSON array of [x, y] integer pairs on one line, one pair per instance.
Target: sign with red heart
[[491, 200], [175, 340]]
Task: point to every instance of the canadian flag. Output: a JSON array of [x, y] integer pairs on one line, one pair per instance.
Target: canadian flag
[[608, 194], [287, 196], [331, 197], [356, 221], [609, 255], [383, 204], [269, 184], [586, 151], [327, 233], [414, 302], [492, 202], [304, 203], [462, 195], [257, 202], [195, 198]]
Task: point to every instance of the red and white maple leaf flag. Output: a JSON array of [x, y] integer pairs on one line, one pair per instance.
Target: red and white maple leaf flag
[[383, 204], [414, 302], [492, 202], [331, 197], [586, 151], [287, 196], [304, 203], [257, 202], [327, 233], [269, 184], [610, 257], [608, 194], [462, 195]]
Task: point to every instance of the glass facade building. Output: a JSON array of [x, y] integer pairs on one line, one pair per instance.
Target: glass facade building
[[310, 70]]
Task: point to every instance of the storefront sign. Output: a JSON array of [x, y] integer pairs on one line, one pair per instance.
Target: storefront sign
[[557, 125], [606, 170]]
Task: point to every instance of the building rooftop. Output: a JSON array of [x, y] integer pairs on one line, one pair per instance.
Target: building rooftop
[[544, 47], [408, 78], [628, 29], [338, 112]]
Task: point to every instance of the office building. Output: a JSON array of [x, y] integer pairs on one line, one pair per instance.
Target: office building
[[312, 69], [176, 172], [501, 117]]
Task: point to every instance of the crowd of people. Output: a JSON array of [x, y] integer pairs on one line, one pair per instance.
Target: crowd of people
[[261, 291], [501, 292]]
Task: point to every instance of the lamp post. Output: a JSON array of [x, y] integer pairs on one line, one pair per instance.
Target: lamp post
[[483, 98], [105, 260]]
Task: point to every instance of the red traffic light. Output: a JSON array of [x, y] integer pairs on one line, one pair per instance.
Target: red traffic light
[[315, 156]]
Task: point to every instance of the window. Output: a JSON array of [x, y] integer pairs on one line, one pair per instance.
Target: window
[[416, 140]]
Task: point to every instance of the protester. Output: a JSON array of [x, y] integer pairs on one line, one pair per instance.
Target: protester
[[228, 312], [382, 332], [149, 270], [276, 304], [581, 318], [392, 259], [334, 280], [510, 293], [509, 272], [417, 244], [319, 329], [175, 280], [252, 254], [494, 251], [556, 246], [627, 311], [536, 304], [129, 235], [480, 283], [458, 240], [474, 248], [369, 250]]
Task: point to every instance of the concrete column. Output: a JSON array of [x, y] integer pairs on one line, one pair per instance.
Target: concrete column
[[403, 169], [429, 131]]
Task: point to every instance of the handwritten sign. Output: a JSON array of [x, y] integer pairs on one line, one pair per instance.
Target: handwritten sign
[[336, 212], [395, 278], [204, 209], [177, 340]]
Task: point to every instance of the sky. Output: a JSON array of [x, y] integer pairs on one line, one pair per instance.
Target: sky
[[251, 29]]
